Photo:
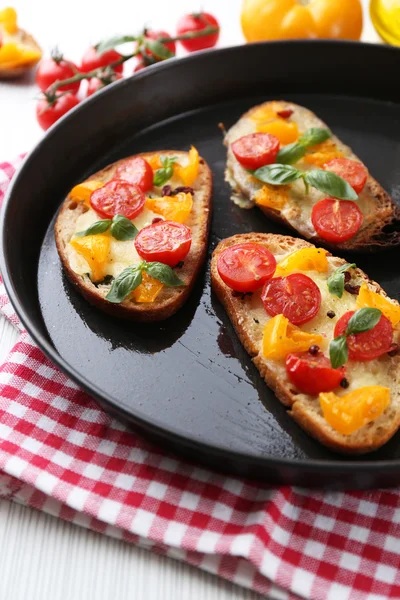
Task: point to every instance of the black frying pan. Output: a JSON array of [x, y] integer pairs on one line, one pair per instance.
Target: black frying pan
[[187, 382]]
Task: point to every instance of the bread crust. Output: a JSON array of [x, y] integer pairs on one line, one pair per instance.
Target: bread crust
[[379, 232], [371, 436], [170, 300]]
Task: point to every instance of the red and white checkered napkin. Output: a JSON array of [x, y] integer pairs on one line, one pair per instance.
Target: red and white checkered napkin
[[61, 453]]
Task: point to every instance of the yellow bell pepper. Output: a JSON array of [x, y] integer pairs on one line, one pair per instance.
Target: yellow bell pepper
[[368, 298], [148, 290], [280, 338], [13, 55], [306, 259], [286, 131], [266, 112], [283, 19], [83, 191], [95, 250], [272, 197], [8, 20], [172, 208], [189, 173], [348, 413], [155, 161], [322, 153]]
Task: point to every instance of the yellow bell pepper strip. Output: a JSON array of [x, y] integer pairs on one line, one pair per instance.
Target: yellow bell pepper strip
[[83, 191], [189, 173], [348, 413], [280, 338], [266, 113], [368, 298], [322, 153], [272, 197], [155, 162], [306, 259], [286, 131], [172, 208], [148, 290], [290, 19], [95, 250], [8, 20], [13, 55]]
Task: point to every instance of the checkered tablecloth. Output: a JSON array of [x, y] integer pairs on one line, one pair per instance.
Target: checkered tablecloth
[[61, 453]]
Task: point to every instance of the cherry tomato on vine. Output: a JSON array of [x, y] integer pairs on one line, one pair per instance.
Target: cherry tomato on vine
[[156, 35], [139, 66], [96, 84], [55, 69], [93, 60], [196, 22], [47, 114]]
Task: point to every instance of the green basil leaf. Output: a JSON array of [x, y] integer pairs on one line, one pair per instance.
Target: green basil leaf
[[336, 280], [163, 273], [123, 229], [330, 183], [159, 49], [314, 136], [338, 351], [277, 174], [363, 319], [111, 43], [161, 176], [124, 284], [98, 227], [168, 161], [291, 153]]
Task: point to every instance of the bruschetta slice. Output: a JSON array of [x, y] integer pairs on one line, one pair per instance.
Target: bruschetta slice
[[133, 237], [285, 160], [323, 336]]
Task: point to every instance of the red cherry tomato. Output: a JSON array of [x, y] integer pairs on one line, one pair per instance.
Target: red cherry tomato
[[313, 374], [246, 267], [352, 171], [96, 84], [156, 35], [256, 150], [47, 114], [336, 220], [370, 344], [296, 297], [139, 66], [164, 241], [136, 171], [92, 60], [118, 197], [51, 70], [198, 22]]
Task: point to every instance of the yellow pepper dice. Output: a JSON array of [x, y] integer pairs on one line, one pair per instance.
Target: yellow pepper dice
[[95, 250], [8, 19], [267, 112], [280, 338], [307, 259], [155, 162], [148, 290], [368, 298], [272, 197], [172, 208], [12, 55], [189, 173], [348, 413], [286, 131], [320, 154], [83, 191]]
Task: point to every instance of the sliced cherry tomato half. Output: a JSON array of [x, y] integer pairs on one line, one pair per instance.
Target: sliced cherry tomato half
[[256, 150], [118, 197], [370, 344], [336, 220], [93, 60], [137, 171], [246, 267], [352, 171], [313, 374], [164, 241], [296, 297]]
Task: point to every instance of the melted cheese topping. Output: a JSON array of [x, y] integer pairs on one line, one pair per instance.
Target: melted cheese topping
[[359, 374], [298, 209]]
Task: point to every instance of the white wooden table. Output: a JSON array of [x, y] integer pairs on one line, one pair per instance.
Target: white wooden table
[[42, 558]]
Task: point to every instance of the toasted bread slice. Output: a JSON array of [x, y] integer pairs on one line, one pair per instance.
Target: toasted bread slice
[[381, 215], [248, 317], [171, 298]]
